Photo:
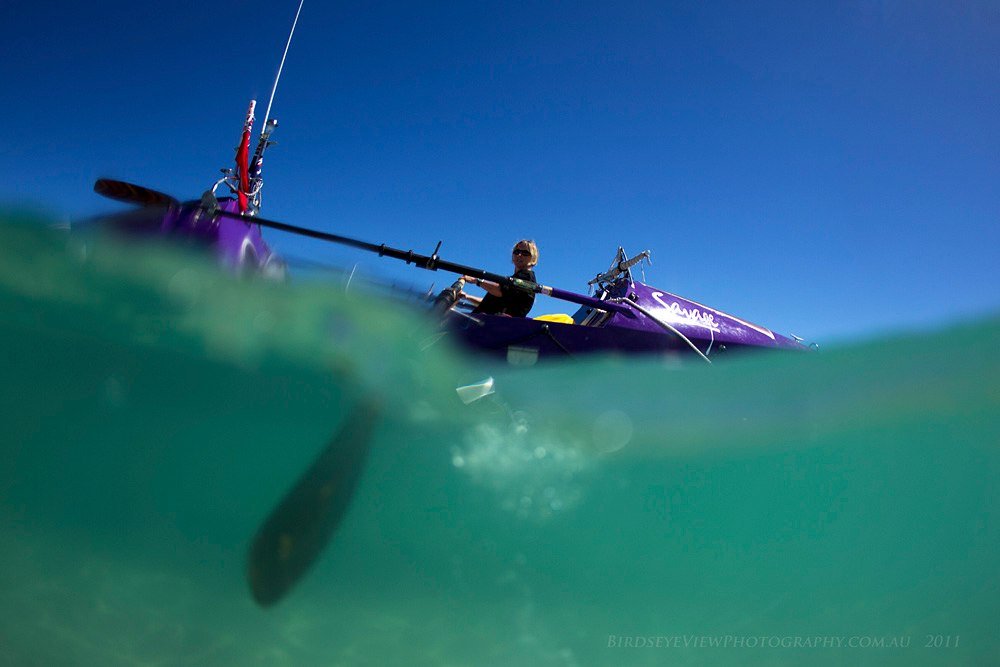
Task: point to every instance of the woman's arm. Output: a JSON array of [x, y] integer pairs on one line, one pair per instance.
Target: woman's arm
[[490, 286]]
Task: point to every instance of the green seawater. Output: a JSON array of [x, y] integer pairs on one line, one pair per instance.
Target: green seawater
[[838, 508]]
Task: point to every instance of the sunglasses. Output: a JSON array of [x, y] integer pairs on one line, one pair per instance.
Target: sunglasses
[[522, 253]]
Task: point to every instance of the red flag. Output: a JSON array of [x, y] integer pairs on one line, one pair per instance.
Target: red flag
[[243, 159]]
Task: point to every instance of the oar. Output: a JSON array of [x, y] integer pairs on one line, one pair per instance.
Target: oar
[[431, 262], [292, 537], [131, 193], [300, 526]]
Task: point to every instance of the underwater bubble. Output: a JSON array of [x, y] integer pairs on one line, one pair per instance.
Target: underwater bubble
[[519, 421], [612, 431], [533, 474]]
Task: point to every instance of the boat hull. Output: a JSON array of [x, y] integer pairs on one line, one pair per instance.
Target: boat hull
[[236, 244], [523, 341]]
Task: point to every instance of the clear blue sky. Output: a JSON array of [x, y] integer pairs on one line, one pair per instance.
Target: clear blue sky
[[825, 169]]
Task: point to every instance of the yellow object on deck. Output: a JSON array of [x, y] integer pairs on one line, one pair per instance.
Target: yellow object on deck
[[561, 318]]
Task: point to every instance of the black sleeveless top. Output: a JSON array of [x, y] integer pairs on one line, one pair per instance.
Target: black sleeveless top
[[512, 301]]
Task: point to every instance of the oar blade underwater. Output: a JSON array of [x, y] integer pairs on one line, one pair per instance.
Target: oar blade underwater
[[295, 533]]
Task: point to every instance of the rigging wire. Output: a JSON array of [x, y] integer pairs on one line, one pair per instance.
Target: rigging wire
[[267, 114], [669, 328]]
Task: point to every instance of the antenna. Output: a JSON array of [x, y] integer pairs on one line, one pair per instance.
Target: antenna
[[267, 114], [268, 126]]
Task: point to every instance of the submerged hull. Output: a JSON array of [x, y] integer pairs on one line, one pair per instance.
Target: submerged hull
[[523, 341]]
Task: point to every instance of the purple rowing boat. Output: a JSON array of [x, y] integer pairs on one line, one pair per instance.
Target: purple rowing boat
[[624, 316]]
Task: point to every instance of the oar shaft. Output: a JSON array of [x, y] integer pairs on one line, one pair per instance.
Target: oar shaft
[[434, 263]]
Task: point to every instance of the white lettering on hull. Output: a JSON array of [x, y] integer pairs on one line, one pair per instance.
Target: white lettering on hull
[[703, 315]]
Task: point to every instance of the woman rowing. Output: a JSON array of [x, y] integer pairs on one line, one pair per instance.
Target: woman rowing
[[503, 299]]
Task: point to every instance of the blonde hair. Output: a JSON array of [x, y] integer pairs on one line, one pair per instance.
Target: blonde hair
[[532, 248]]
